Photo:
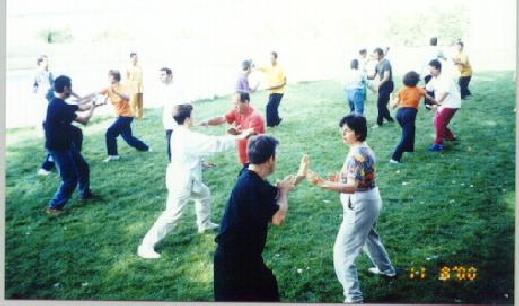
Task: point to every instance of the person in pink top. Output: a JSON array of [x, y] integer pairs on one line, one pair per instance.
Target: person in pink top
[[242, 117]]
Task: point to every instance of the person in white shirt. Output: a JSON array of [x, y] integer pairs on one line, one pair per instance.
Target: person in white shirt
[[432, 52], [170, 96], [447, 95], [355, 83], [184, 178]]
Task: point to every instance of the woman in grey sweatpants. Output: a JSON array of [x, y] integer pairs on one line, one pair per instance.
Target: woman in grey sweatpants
[[361, 205]]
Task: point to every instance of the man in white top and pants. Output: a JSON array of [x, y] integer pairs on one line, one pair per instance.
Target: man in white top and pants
[[448, 96], [184, 179]]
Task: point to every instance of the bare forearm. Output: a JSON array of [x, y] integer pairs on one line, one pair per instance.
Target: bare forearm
[[216, 121]]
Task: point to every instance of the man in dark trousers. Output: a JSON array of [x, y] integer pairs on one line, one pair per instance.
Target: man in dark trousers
[[383, 85], [63, 146], [239, 271]]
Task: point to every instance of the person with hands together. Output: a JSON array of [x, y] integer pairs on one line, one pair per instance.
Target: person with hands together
[[361, 202], [239, 271]]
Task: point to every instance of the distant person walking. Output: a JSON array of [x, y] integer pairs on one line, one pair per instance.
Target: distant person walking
[[118, 95], [355, 83], [461, 60], [383, 86], [277, 80], [134, 78], [43, 88], [243, 84]]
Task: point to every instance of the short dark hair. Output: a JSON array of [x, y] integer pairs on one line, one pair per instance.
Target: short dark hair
[[166, 70], [411, 78], [262, 148], [40, 59], [274, 53], [182, 112], [246, 64], [379, 51], [363, 51], [459, 42], [115, 74], [357, 124], [61, 82], [433, 41], [436, 64], [354, 64], [133, 54], [244, 97]]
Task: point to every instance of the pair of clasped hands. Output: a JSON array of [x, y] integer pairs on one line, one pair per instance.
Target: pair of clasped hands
[[291, 181]]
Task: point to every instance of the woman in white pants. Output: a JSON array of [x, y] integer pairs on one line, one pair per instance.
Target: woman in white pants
[[361, 205], [184, 179]]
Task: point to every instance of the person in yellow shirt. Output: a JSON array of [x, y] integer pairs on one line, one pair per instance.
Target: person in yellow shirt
[[277, 80], [135, 84], [461, 60], [118, 95]]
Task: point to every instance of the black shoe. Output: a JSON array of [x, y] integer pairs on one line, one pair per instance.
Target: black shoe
[[90, 197]]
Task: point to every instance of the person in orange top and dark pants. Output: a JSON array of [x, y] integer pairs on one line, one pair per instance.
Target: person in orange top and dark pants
[[117, 93], [408, 99]]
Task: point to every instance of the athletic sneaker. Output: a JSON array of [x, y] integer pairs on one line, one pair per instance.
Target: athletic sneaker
[[208, 227], [43, 172], [436, 148], [54, 211], [112, 158], [392, 161], [375, 270], [147, 252]]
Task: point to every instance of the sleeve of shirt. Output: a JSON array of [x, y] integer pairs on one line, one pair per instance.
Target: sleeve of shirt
[[263, 201], [203, 145], [387, 66], [430, 86], [352, 168], [69, 112], [230, 117], [421, 91]]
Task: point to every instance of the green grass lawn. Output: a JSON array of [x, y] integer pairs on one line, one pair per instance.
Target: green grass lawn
[[440, 209]]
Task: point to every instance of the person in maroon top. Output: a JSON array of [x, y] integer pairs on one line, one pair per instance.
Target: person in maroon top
[[242, 117]]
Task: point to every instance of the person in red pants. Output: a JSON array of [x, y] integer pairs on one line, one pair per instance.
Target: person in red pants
[[449, 100]]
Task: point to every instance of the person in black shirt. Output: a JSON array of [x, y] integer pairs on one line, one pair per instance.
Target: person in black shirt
[[239, 271], [61, 142]]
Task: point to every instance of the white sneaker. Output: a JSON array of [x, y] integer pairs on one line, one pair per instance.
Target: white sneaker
[[375, 270], [208, 227], [112, 158], [392, 161], [43, 172], [149, 149], [147, 252]]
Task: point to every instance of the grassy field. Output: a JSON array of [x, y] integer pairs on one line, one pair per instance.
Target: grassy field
[[440, 209]]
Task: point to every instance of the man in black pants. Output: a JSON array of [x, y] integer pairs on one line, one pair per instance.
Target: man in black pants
[[276, 78], [384, 86], [239, 271]]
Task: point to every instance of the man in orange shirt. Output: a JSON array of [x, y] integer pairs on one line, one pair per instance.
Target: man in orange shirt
[[118, 95], [242, 116]]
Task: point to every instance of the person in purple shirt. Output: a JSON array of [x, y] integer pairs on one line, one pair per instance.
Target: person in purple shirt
[[242, 84]]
